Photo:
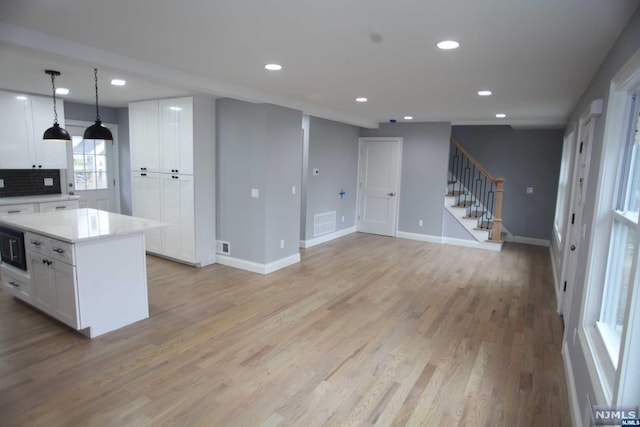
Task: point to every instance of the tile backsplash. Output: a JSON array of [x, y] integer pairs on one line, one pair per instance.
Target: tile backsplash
[[29, 182]]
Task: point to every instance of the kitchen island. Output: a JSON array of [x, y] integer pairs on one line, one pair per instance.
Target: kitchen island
[[85, 267]]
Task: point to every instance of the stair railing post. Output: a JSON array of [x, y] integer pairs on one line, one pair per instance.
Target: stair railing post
[[496, 233]]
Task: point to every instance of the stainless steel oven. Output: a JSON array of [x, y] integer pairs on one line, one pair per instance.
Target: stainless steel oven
[[12, 248]]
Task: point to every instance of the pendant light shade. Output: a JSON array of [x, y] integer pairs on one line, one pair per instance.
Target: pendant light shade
[[96, 130], [55, 133]]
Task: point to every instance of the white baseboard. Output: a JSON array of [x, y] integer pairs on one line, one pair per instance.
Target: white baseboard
[[529, 241], [255, 267], [420, 237], [462, 242], [327, 237], [574, 406]]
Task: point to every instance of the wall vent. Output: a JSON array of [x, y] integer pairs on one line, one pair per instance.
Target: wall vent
[[222, 247], [324, 223]]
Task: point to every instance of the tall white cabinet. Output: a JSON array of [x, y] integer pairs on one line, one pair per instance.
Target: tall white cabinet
[[23, 120], [172, 145]]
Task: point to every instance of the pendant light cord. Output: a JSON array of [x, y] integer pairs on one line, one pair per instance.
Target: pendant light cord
[[95, 78], [55, 110]]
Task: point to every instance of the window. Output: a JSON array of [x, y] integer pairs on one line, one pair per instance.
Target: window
[[89, 164], [622, 244], [564, 189]]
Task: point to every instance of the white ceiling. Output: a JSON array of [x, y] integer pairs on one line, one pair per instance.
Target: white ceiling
[[536, 56]]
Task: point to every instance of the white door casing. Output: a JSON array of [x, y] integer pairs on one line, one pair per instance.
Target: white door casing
[[107, 199], [379, 185], [574, 226]]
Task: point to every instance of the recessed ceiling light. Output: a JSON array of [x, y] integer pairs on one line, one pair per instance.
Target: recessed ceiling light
[[273, 67], [501, 115], [448, 44], [408, 117], [485, 93], [62, 91], [118, 82], [361, 99], [21, 97]]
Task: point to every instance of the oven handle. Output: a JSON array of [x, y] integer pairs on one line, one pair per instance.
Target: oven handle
[[11, 243]]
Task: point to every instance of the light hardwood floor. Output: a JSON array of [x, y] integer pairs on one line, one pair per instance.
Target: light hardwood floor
[[366, 330]]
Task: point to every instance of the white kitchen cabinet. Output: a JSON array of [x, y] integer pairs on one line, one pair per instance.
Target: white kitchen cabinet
[[181, 191], [176, 135], [144, 136], [146, 203], [17, 283], [15, 136], [178, 240], [56, 206], [53, 278], [24, 118], [17, 209]]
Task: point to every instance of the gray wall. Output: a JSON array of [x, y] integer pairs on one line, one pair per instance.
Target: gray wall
[[87, 112], [425, 150], [259, 146], [333, 149], [525, 158], [626, 45]]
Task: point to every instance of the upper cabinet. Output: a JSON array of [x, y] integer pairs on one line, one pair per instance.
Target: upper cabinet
[[161, 133], [144, 135], [176, 136], [24, 119]]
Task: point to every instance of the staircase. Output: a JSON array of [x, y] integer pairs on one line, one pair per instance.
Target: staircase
[[474, 198]]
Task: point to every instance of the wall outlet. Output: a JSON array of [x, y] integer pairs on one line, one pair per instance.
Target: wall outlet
[[529, 190], [255, 193], [48, 182], [281, 244], [1, 183], [420, 223], [316, 171]]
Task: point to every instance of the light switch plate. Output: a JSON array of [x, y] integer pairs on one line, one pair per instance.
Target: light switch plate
[[48, 182], [255, 193], [529, 190]]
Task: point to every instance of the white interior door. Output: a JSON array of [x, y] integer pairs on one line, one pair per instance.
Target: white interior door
[[93, 170], [574, 221], [378, 186]]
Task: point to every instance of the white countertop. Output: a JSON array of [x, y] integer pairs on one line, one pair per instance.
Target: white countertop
[[36, 199], [77, 225]]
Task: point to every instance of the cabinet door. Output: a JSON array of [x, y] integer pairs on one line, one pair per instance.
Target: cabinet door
[[176, 134], [178, 239], [44, 293], [144, 136], [64, 280], [14, 138], [47, 154], [145, 203]]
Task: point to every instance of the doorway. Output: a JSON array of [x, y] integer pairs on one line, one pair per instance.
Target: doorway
[[379, 185], [93, 169]]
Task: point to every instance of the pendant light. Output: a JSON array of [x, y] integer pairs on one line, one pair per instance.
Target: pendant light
[[55, 132], [96, 130]]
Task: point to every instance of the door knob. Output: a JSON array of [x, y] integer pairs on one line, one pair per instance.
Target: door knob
[[573, 247], [391, 194]]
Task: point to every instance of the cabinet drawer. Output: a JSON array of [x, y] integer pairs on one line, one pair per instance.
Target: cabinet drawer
[[35, 242], [56, 206], [62, 251], [17, 209], [16, 283]]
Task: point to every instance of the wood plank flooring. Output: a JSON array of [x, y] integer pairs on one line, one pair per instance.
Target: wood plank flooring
[[366, 330]]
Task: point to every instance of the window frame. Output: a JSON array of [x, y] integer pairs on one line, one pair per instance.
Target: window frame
[[611, 382]]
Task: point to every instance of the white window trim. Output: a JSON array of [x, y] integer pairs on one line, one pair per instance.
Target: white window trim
[[612, 386]]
